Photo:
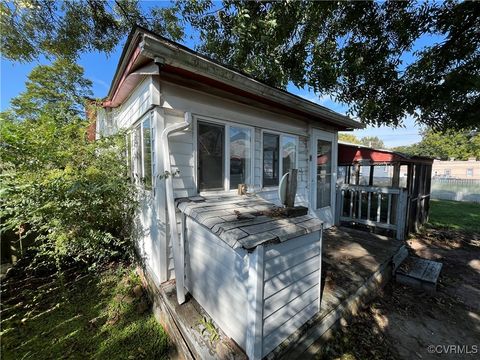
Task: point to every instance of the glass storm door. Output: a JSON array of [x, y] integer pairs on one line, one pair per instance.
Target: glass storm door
[[324, 175]]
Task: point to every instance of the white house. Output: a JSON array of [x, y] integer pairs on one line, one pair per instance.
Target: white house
[[214, 128]]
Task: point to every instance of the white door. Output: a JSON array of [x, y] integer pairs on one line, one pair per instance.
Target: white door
[[324, 171]]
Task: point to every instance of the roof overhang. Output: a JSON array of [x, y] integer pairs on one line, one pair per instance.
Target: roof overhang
[[146, 48], [349, 154]]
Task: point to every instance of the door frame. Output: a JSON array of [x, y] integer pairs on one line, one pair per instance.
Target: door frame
[[327, 215]]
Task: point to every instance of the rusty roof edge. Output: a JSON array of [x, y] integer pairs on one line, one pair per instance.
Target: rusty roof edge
[[129, 48]]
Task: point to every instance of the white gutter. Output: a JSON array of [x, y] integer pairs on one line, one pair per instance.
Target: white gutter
[[172, 219]]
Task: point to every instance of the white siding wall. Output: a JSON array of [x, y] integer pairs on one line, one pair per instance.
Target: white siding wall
[[181, 156], [150, 222], [135, 106], [216, 276], [291, 287], [176, 100]]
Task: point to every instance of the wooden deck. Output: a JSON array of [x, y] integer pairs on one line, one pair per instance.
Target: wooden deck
[[355, 265]]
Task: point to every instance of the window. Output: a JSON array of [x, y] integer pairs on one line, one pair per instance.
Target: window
[[137, 154], [289, 153], [239, 156], [342, 173], [279, 156], [147, 154], [324, 173], [217, 142], [447, 173], [139, 148], [211, 139], [128, 154], [470, 172], [271, 167]]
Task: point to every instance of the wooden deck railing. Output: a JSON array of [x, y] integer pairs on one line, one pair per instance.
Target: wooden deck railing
[[380, 207]]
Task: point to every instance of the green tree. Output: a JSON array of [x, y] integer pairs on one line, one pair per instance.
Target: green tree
[[372, 141], [30, 28], [349, 138], [368, 55], [460, 145], [57, 90], [73, 195]]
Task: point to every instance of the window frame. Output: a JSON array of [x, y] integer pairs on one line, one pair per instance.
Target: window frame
[[280, 158], [139, 179], [226, 151]]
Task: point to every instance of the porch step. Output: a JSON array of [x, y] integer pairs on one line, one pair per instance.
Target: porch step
[[419, 273]]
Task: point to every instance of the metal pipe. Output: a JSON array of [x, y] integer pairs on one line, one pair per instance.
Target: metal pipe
[[172, 218]]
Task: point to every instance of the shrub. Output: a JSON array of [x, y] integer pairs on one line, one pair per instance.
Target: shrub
[[72, 194]]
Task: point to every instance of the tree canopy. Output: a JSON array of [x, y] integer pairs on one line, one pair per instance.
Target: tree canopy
[[460, 145], [369, 55], [57, 90], [350, 138], [366, 54], [68, 28], [370, 141]]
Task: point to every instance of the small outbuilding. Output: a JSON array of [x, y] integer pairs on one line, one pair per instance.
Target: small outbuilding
[[364, 168]]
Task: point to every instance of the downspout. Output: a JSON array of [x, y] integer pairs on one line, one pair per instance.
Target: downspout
[[172, 218]]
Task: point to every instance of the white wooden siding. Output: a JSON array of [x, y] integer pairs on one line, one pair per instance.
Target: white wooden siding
[[176, 100], [200, 103], [182, 158], [216, 276], [139, 101], [151, 221], [291, 287]]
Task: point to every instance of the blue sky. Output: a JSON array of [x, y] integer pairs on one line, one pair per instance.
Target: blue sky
[[100, 68]]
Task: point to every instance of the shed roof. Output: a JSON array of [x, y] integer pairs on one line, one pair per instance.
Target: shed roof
[[353, 153], [179, 63]]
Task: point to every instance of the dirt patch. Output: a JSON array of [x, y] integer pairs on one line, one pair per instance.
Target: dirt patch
[[404, 323]]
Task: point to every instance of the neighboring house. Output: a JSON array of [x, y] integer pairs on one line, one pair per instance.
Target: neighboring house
[[223, 129], [456, 169]]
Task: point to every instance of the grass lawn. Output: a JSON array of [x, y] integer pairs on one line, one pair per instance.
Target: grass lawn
[[102, 316], [455, 215]]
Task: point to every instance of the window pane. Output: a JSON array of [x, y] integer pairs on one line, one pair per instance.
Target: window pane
[[270, 159], [129, 155], [382, 175], [342, 172], [137, 154], [210, 149], [289, 153], [324, 173], [240, 158], [364, 175], [147, 155]]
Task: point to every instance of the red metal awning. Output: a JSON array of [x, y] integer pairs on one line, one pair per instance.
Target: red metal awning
[[351, 154]]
